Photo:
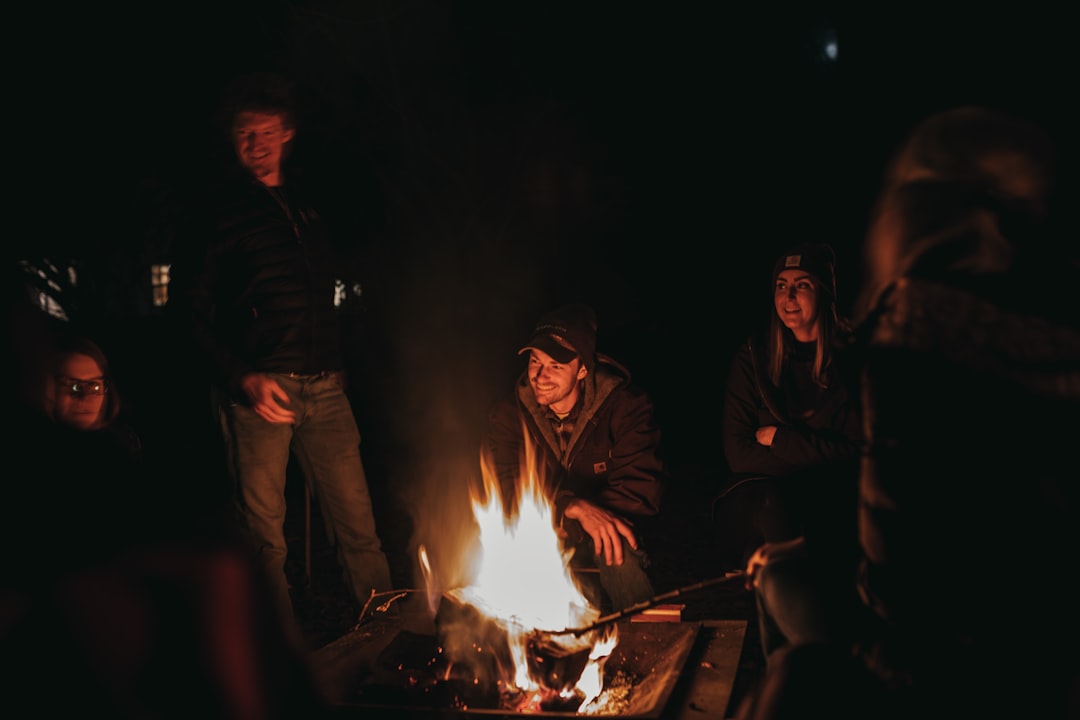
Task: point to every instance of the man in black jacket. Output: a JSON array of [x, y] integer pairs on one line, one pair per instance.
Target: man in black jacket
[[265, 314], [597, 446]]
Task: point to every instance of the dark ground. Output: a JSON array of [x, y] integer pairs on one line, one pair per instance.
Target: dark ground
[[683, 552]]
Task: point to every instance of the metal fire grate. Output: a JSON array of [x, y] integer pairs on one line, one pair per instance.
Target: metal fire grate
[[639, 679]]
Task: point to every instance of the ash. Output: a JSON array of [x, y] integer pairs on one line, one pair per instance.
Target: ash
[[614, 699]]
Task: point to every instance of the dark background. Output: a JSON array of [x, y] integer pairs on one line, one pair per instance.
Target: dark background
[[490, 160]]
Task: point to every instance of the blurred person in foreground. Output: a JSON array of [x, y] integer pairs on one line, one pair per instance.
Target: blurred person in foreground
[[597, 446], [970, 355], [260, 288]]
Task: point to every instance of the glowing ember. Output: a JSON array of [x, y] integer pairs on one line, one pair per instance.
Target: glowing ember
[[522, 582]]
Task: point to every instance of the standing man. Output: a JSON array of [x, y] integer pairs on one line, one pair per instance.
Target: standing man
[[597, 444], [262, 307]]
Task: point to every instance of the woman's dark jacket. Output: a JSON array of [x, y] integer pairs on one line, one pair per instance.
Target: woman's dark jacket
[[804, 483], [613, 457], [831, 432]]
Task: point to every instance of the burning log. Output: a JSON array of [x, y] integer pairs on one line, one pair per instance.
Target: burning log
[[555, 661], [476, 644], [553, 665], [414, 677]]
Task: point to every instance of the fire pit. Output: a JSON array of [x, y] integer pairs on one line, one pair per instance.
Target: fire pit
[[514, 632], [411, 678]]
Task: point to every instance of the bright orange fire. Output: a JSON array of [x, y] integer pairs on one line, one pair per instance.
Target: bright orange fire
[[522, 581]]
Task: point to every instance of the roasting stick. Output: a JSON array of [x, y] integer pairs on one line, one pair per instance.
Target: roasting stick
[[646, 604], [395, 595]]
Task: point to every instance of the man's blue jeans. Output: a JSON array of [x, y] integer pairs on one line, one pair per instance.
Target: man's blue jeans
[[326, 443], [624, 585]]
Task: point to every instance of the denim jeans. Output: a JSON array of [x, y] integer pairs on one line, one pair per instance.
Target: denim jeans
[[790, 604], [623, 585], [326, 444]]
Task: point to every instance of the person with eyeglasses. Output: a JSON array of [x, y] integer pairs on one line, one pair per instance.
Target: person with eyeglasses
[[80, 390], [81, 394], [110, 581]]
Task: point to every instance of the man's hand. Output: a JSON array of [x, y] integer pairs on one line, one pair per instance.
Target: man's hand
[[604, 527], [765, 435], [267, 398]]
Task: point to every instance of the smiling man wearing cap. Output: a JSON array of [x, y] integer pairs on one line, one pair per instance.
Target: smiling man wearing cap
[[597, 443]]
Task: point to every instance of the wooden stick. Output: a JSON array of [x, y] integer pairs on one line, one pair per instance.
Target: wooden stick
[[646, 604]]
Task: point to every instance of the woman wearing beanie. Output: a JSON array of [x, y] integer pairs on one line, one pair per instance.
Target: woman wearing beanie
[[791, 432]]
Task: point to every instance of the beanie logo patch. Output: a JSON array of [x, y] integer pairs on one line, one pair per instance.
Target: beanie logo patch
[[793, 261]]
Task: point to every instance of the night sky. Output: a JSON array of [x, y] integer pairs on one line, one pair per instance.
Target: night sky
[[493, 159]]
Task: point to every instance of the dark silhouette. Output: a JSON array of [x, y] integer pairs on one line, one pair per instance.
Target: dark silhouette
[[970, 355]]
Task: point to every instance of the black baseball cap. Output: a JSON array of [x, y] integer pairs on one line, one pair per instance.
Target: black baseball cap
[[565, 333]]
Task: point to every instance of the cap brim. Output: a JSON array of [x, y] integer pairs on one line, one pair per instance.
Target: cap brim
[[547, 344]]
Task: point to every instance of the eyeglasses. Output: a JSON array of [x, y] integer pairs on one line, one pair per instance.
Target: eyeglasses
[[79, 388]]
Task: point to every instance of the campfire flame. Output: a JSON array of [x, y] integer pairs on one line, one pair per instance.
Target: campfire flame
[[522, 581]]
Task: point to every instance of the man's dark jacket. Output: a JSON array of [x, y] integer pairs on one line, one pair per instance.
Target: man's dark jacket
[[260, 294], [613, 457]]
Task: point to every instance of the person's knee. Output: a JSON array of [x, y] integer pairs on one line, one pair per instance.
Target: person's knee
[[783, 577], [818, 679], [628, 583]]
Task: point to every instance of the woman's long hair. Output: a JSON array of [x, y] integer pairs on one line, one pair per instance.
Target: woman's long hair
[[779, 339]]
